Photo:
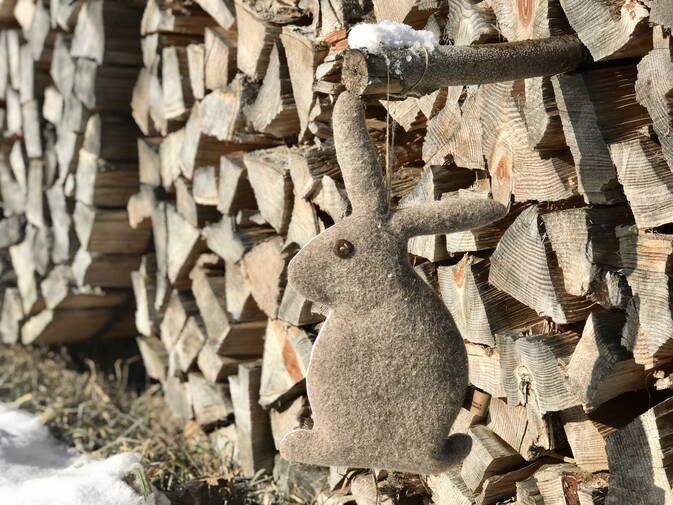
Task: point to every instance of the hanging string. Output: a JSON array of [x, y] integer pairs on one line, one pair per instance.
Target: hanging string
[[390, 139]]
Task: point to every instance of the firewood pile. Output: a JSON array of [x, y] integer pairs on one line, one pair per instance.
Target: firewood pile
[[163, 161], [68, 167]]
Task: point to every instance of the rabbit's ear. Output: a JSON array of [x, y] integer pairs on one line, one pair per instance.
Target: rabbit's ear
[[357, 157], [445, 216]]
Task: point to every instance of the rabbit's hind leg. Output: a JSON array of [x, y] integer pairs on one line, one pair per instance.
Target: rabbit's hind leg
[[306, 446]]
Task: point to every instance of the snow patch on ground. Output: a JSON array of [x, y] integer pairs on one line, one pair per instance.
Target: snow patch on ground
[[35, 469], [390, 35]]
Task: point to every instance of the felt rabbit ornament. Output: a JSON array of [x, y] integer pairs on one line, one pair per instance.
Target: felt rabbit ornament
[[388, 371]]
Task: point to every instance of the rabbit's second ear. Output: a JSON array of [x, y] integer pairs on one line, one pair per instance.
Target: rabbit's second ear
[[446, 216], [357, 158]]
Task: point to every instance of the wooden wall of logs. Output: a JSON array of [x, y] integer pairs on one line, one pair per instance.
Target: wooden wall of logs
[[162, 161]]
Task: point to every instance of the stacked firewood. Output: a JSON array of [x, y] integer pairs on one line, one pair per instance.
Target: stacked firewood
[[564, 304], [67, 169]]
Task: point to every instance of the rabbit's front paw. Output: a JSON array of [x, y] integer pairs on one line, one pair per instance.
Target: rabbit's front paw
[[301, 445]]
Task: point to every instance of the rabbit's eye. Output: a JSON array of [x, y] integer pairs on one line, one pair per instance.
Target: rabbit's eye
[[343, 248]]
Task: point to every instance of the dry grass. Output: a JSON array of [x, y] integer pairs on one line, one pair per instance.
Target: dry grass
[[103, 413]]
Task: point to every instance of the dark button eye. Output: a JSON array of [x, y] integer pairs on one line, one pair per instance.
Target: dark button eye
[[343, 248]]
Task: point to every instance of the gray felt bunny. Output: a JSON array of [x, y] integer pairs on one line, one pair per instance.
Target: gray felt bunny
[[388, 373]]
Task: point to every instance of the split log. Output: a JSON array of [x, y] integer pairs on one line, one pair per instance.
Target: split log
[[241, 305], [543, 118], [108, 232], [655, 73], [111, 136], [180, 307], [52, 108], [216, 368], [524, 429], [488, 456], [205, 186], [197, 71], [533, 368], [158, 17], [478, 309], [600, 368], [184, 245], [515, 168], [208, 287], [332, 199], [256, 39], [308, 164], [647, 180], [610, 30], [410, 12], [565, 483], [421, 72], [524, 245], [265, 269], [12, 314], [595, 171], [211, 402], [155, 357], [304, 223], [303, 56], [178, 397], [274, 111], [366, 491], [637, 459], [287, 350], [645, 260], [485, 369], [195, 214], [230, 241], [255, 442], [470, 22], [189, 344], [240, 339], [530, 20], [234, 191], [63, 245], [23, 264], [585, 245], [141, 102], [220, 57], [269, 177], [585, 440], [178, 96], [169, 155], [448, 488], [499, 487]]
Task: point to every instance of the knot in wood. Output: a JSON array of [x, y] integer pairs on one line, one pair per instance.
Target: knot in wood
[[343, 248]]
